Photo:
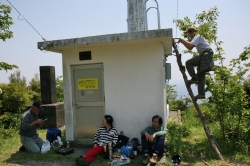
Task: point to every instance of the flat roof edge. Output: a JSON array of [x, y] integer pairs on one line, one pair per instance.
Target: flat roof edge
[[106, 38]]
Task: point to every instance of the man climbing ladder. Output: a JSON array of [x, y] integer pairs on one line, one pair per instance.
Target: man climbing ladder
[[204, 61], [207, 59]]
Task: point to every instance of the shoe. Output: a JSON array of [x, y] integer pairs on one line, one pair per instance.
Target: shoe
[[163, 159], [82, 162], [146, 158], [154, 158], [193, 80], [199, 96], [22, 149]]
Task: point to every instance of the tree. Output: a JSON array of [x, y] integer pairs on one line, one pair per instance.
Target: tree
[[5, 22], [6, 66], [15, 78], [228, 98], [59, 89], [16, 95], [171, 93], [180, 104], [15, 98], [35, 88]]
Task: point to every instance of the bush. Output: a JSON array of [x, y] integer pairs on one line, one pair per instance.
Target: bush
[[14, 98], [175, 134], [10, 121]]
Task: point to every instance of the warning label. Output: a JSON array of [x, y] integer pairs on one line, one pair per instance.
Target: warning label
[[87, 83]]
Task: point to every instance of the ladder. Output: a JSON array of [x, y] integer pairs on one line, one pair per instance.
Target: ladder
[[201, 115]]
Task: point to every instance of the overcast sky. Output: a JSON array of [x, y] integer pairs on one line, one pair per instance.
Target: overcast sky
[[63, 19]]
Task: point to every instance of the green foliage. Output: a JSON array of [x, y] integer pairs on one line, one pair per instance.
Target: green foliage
[[230, 98], [16, 78], [5, 22], [59, 89], [15, 96], [180, 104], [227, 102], [171, 93], [10, 120], [6, 66], [175, 134], [35, 88]]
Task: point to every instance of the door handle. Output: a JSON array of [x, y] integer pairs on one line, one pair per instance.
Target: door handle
[[77, 106]]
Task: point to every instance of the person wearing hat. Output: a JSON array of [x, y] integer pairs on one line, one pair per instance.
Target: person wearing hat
[[204, 61], [28, 129]]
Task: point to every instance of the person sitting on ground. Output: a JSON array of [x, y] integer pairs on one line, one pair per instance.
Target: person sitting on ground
[[104, 135], [28, 129], [153, 138], [204, 60]]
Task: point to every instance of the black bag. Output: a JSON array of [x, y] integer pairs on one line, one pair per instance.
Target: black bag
[[122, 141], [176, 159], [64, 151]]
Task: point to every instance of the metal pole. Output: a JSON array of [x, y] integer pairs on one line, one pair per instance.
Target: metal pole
[[128, 16], [137, 4], [146, 17], [158, 15]]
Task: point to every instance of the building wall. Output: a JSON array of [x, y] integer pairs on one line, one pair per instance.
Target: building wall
[[134, 84]]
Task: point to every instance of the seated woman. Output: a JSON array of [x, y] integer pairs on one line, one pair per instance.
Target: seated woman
[[104, 135], [153, 138]]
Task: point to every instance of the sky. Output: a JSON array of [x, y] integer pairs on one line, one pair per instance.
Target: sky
[[64, 19]]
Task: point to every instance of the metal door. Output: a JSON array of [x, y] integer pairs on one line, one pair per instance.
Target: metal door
[[88, 101]]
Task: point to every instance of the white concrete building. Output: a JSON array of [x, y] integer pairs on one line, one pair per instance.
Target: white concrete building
[[122, 75]]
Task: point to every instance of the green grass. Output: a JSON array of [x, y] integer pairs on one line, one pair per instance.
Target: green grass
[[195, 148], [10, 152], [10, 155]]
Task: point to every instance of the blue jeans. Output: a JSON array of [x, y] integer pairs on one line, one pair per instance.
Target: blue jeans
[[32, 144], [157, 147]]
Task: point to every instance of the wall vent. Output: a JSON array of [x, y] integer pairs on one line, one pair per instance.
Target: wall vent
[[85, 55]]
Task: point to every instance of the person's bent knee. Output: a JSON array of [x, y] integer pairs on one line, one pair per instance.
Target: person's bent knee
[[161, 138], [36, 150], [188, 62]]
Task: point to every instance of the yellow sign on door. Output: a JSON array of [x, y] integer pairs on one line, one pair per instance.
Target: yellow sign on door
[[87, 84]]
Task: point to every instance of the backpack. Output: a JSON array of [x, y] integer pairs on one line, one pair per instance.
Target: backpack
[[122, 141], [127, 151], [135, 143], [52, 134]]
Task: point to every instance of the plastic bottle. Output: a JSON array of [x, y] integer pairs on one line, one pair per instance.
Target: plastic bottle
[[110, 149], [68, 145]]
